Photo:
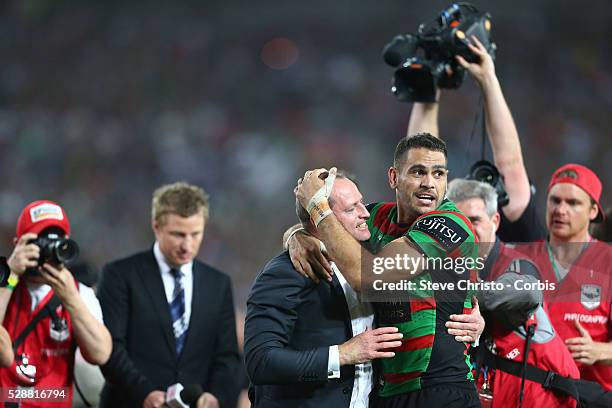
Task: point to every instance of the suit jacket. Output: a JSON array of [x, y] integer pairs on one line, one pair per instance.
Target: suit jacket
[[290, 324], [144, 359]]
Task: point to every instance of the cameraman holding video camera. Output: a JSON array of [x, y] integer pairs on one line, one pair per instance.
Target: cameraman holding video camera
[[46, 312], [460, 42]]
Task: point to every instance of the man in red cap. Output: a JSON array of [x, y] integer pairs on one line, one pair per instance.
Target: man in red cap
[[44, 350], [581, 308]]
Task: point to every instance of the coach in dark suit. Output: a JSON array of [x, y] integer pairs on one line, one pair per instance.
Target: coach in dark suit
[[171, 317], [295, 329]]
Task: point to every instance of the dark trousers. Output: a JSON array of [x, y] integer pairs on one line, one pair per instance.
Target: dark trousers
[[437, 396]]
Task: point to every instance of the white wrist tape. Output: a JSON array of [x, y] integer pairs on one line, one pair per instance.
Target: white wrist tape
[[319, 211], [318, 206]]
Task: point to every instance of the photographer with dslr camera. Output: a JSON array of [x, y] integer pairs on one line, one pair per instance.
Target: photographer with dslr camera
[[45, 311]]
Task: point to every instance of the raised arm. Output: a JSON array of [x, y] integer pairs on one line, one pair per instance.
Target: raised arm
[[25, 255], [345, 250], [424, 118], [92, 337], [502, 132], [312, 192]]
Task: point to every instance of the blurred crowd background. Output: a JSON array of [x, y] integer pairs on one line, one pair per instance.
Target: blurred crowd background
[[103, 101]]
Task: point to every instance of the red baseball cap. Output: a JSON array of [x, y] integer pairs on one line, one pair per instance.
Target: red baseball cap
[[40, 215], [582, 177]]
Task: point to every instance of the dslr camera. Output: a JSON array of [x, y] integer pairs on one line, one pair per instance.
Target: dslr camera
[[55, 249], [426, 61], [486, 172]]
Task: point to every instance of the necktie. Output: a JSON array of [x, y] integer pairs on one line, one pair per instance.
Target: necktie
[[177, 310]]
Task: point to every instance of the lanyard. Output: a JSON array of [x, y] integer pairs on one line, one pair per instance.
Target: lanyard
[[553, 262]]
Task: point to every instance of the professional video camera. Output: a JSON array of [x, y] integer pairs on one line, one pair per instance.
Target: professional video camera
[[426, 60], [486, 172], [55, 249]]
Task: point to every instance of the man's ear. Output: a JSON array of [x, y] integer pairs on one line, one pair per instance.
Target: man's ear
[[155, 225], [594, 212], [392, 174], [496, 220]]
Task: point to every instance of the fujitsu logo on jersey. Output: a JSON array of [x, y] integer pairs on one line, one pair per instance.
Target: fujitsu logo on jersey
[[443, 229], [438, 224]]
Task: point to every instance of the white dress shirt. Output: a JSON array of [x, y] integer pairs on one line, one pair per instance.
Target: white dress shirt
[[168, 279], [362, 318]]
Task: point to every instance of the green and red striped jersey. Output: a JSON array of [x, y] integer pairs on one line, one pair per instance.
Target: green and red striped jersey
[[428, 354]]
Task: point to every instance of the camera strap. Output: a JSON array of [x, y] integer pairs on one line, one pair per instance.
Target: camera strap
[[46, 311], [479, 116], [483, 130], [586, 393]]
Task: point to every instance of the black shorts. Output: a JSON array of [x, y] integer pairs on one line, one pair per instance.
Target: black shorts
[[436, 396]]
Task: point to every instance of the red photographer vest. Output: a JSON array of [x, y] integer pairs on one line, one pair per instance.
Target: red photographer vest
[[547, 351], [585, 294], [50, 347]]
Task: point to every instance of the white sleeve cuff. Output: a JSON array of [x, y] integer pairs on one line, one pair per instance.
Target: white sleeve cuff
[[333, 363], [476, 343]]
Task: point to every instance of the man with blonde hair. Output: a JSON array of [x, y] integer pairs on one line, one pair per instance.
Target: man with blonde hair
[[170, 315]]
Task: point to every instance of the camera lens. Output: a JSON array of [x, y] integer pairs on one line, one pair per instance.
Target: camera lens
[[65, 250], [414, 82], [485, 172], [401, 48]]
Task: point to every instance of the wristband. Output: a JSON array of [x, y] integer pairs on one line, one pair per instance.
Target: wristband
[[12, 281], [318, 206], [295, 231], [319, 210]]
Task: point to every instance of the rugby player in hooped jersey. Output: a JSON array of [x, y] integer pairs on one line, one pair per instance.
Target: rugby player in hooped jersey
[[430, 368]]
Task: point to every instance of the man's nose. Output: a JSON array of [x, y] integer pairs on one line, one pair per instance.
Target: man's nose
[[364, 213], [427, 181], [560, 208], [185, 243]]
